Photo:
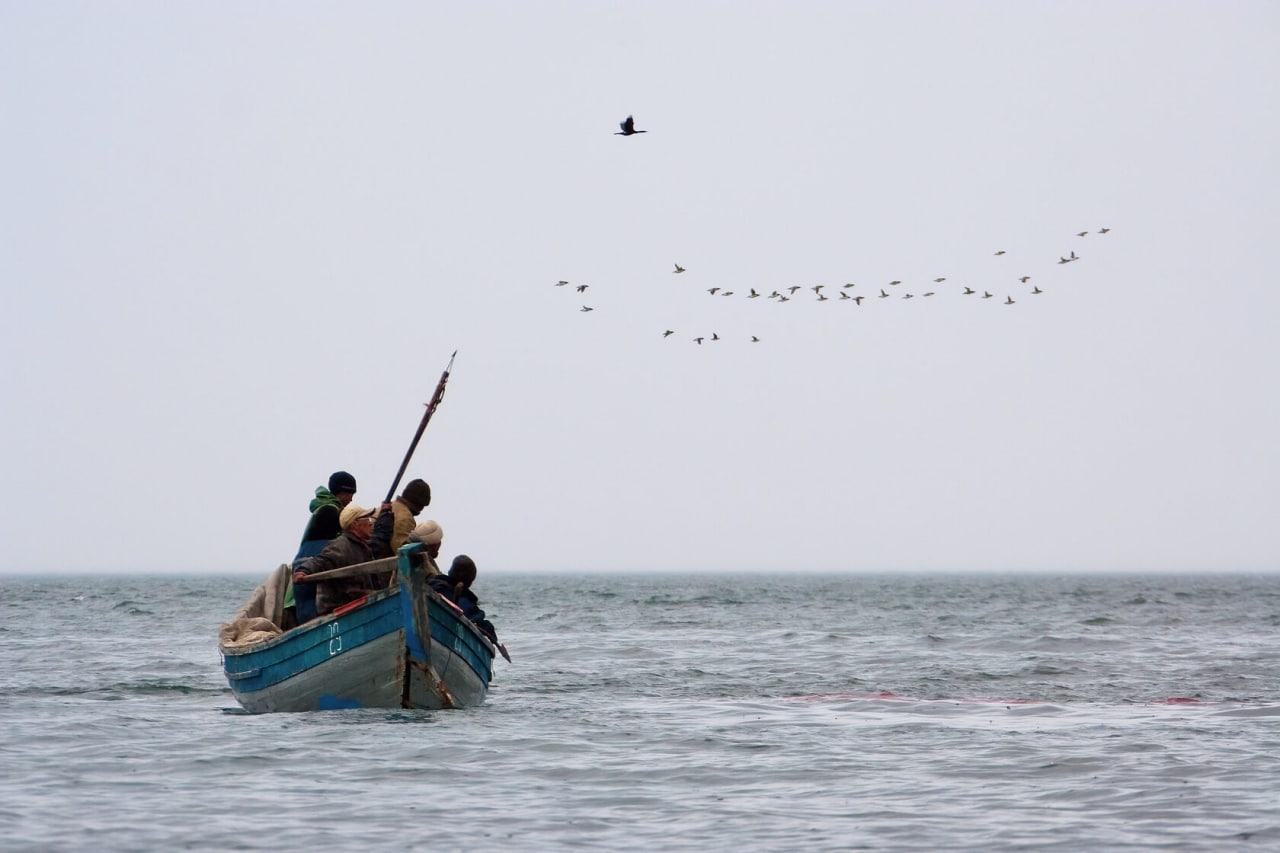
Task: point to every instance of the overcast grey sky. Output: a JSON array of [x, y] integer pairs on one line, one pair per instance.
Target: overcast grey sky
[[241, 241]]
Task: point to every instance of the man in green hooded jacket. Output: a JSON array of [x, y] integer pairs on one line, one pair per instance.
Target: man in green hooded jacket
[[322, 528]]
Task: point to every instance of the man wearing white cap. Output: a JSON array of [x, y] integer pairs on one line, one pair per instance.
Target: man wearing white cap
[[350, 548]]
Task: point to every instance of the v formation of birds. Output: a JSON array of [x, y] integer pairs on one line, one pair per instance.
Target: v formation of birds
[[844, 292]]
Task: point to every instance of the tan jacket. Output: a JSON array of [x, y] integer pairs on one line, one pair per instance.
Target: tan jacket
[[404, 524]]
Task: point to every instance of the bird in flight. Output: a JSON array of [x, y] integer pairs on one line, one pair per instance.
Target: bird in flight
[[894, 282], [999, 253], [561, 283], [858, 299], [822, 297], [585, 308], [1083, 234], [582, 288], [712, 290], [844, 295], [1025, 279], [752, 294], [678, 267], [817, 288], [714, 336], [969, 290], [754, 339], [1036, 290], [986, 294], [1103, 230], [939, 280], [784, 298], [1008, 300], [699, 340], [727, 293], [851, 284], [906, 296], [628, 126], [883, 295], [793, 288], [928, 293], [668, 333]]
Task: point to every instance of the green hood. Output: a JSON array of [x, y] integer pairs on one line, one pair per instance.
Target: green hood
[[324, 497]]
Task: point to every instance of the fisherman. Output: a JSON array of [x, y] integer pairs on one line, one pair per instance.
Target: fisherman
[[456, 586], [322, 528], [349, 549], [415, 498]]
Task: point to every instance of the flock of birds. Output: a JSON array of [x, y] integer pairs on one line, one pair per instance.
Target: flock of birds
[[844, 293]]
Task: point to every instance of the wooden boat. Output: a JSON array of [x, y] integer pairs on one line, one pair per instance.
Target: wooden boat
[[402, 647]]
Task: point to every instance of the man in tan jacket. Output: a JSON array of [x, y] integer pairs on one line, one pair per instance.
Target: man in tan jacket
[[414, 499]]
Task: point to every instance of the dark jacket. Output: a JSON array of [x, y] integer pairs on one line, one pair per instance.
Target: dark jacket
[[467, 602], [380, 542], [346, 550]]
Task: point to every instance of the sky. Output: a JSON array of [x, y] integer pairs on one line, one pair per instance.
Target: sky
[[241, 241]]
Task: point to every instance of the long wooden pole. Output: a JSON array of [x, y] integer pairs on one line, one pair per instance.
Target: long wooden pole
[[422, 427]]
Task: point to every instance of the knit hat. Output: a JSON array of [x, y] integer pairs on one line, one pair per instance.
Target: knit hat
[[463, 569], [351, 513], [341, 481], [417, 494], [428, 533]]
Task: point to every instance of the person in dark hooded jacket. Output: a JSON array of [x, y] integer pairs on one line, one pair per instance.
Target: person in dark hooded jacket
[[322, 528], [456, 586]]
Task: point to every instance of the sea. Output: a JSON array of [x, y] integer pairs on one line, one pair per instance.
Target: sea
[[751, 712]]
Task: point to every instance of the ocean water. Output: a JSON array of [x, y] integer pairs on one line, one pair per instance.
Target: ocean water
[[670, 712]]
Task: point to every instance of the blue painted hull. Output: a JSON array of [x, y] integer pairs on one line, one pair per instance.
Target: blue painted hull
[[403, 647]]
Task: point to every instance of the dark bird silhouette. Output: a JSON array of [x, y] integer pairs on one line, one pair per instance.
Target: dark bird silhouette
[[583, 287], [699, 340], [1073, 255], [668, 333], [939, 280], [628, 126], [1083, 234], [712, 290], [929, 293], [793, 288], [752, 294], [883, 295], [858, 299], [754, 339], [775, 295], [1008, 300], [1036, 290], [822, 297], [714, 336], [585, 308], [986, 294], [784, 298], [907, 296], [1025, 279], [678, 267], [894, 282], [727, 293], [851, 284], [561, 283], [969, 290], [1103, 230], [844, 295], [817, 288], [1063, 260], [999, 253]]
